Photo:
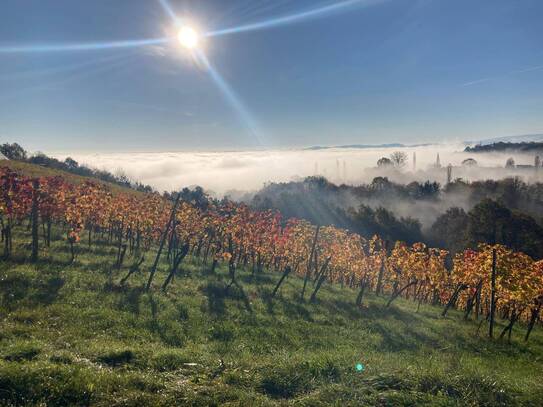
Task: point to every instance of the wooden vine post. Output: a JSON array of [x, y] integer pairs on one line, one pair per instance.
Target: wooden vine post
[[162, 241], [310, 262], [34, 215], [492, 294]]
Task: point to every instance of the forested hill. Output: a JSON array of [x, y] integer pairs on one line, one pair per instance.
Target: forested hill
[[528, 147], [456, 216]]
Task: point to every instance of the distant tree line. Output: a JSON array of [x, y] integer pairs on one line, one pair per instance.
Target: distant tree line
[[502, 146], [15, 152], [196, 196], [488, 222]]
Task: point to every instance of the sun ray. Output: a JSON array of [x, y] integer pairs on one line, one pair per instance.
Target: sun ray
[[231, 97], [269, 7], [60, 69], [294, 18], [169, 10], [96, 68], [492, 78], [89, 46]]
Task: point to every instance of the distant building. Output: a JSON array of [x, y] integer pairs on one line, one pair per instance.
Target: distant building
[[3, 157]]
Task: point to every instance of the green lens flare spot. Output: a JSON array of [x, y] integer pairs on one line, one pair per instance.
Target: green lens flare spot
[[360, 367]]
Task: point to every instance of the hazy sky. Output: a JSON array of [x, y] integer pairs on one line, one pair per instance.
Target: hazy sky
[[407, 71]]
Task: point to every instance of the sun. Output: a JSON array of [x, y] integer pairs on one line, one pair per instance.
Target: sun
[[188, 37]]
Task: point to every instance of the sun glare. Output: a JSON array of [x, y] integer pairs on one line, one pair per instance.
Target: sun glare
[[188, 37]]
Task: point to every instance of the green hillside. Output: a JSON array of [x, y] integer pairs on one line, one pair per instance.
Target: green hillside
[[72, 335]]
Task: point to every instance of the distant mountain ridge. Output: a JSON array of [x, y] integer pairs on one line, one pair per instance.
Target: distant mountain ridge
[[523, 138], [365, 146]]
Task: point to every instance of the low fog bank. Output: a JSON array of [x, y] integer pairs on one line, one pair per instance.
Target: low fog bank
[[423, 202], [239, 172]]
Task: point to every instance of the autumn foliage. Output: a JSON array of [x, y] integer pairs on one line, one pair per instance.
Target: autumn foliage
[[235, 235]]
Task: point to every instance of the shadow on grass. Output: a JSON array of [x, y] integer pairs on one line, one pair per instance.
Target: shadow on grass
[[379, 311], [14, 288], [265, 295], [130, 299], [394, 341], [169, 331], [18, 288], [45, 263], [408, 337], [83, 250], [240, 294], [257, 278], [343, 308], [217, 292], [47, 291], [295, 309]]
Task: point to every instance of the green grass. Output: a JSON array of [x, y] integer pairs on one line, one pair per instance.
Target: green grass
[[70, 335]]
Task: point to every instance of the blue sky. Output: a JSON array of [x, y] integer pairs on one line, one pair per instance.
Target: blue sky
[[408, 71]]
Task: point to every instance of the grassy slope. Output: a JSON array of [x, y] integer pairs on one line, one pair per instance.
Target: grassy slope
[[70, 335]]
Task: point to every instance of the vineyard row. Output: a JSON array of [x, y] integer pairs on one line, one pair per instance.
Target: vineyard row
[[484, 283]]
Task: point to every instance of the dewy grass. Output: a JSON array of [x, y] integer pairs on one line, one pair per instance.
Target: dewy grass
[[70, 334]]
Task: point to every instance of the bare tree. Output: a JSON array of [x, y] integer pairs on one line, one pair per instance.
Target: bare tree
[[398, 158]]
